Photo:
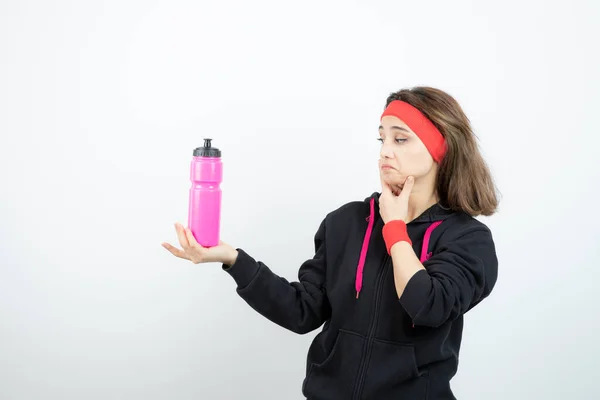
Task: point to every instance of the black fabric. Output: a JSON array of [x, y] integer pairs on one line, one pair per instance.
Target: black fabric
[[378, 346]]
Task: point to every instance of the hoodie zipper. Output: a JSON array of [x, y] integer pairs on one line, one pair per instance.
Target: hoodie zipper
[[367, 354]]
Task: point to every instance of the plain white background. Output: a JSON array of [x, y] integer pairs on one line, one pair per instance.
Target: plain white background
[[102, 103]]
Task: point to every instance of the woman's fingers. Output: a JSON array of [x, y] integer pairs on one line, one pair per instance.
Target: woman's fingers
[[175, 251], [181, 236], [407, 188], [195, 251], [191, 239], [192, 250]]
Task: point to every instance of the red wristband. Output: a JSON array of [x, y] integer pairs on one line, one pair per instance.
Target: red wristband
[[394, 232]]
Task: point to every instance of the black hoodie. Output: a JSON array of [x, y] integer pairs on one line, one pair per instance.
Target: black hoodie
[[376, 345]]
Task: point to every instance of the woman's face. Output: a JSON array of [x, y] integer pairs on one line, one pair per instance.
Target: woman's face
[[403, 154]]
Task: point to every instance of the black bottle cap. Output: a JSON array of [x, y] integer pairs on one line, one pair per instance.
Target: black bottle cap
[[207, 150]]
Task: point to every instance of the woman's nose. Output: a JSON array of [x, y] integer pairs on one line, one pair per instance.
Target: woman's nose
[[386, 152]]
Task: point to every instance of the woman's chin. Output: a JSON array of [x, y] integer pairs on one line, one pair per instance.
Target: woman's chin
[[395, 181], [395, 186]]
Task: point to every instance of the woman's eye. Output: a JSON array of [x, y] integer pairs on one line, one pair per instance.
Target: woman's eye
[[396, 140]]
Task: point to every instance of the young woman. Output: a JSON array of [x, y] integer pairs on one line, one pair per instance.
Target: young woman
[[393, 275]]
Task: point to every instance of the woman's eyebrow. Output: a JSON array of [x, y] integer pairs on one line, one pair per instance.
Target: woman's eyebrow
[[399, 128]]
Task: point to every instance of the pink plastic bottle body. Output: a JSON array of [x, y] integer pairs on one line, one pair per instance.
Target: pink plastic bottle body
[[204, 216]]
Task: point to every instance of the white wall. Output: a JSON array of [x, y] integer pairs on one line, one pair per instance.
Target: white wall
[[101, 104]]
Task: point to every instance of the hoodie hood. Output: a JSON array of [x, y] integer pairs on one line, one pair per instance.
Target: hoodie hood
[[434, 215]]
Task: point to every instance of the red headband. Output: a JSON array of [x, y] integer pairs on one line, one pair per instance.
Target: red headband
[[421, 125]]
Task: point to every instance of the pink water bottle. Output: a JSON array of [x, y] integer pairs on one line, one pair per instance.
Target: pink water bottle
[[206, 175]]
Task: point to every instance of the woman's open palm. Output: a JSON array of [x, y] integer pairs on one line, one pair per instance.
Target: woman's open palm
[[191, 250]]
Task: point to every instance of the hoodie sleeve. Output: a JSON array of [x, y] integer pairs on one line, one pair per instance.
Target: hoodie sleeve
[[300, 306], [457, 277]]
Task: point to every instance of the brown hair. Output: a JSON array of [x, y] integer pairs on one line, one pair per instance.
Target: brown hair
[[464, 182]]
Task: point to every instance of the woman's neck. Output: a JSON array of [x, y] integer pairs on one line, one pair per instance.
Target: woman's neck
[[419, 202]]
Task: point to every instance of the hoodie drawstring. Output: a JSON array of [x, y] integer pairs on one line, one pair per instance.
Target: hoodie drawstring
[[425, 254], [365, 246]]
